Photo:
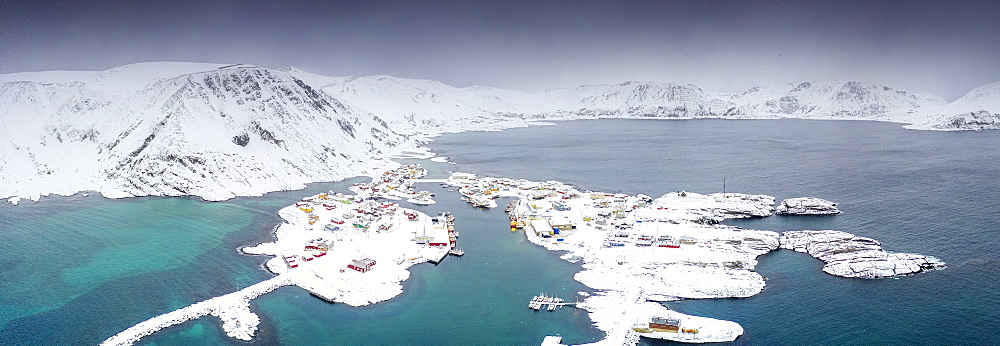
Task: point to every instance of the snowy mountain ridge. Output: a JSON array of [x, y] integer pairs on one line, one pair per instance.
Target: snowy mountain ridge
[[979, 109], [215, 133], [219, 131]]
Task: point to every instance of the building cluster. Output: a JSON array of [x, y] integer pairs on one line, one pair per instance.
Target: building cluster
[[397, 183], [313, 249], [553, 210], [663, 325], [441, 232], [346, 218]]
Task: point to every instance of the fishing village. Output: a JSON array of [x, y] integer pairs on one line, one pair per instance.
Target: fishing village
[[638, 251], [351, 249]]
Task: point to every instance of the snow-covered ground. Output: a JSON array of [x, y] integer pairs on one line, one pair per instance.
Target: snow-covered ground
[[635, 249]]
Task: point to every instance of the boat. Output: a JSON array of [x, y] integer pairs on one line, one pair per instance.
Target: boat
[[456, 252]]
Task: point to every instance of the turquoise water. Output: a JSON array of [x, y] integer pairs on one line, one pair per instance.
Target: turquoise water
[[79, 269]]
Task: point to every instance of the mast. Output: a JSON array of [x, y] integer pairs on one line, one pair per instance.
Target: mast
[[724, 187]]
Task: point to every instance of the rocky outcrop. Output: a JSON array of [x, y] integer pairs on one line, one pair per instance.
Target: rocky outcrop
[[712, 208], [851, 256], [807, 206], [978, 120]]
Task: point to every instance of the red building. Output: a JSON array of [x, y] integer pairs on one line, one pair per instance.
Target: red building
[[362, 265]]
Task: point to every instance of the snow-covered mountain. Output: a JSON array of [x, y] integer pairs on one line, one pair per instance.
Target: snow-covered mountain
[[638, 99], [218, 131], [206, 130], [426, 106], [977, 110], [856, 100]]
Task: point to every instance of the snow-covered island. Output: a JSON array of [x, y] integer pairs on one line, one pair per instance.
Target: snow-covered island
[[637, 250], [807, 206], [342, 248]]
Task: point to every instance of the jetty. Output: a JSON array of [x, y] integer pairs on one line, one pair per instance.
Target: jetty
[[233, 309], [546, 302]]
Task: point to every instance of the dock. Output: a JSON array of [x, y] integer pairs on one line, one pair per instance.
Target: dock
[[438, 260], [546, 302], [230, 308]]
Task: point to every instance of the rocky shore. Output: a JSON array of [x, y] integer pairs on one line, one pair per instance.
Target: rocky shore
[[807, 206], [851, 256]]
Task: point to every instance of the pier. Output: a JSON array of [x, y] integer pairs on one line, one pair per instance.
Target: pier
[[547, 303]]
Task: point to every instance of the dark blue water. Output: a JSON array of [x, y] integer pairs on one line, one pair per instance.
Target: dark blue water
[[76, 270], [935, 193]]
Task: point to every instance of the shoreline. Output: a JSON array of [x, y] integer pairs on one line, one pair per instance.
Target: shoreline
[[662, 249], [638, 251], [372, 253], [419, 152]]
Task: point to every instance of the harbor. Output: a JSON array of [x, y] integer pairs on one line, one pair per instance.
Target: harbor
[[635, 247], [351, 249], [631, 244]]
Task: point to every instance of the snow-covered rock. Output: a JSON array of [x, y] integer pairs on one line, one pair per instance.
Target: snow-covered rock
[[980, 120], [712, 208], [848, 255], [807, 206]]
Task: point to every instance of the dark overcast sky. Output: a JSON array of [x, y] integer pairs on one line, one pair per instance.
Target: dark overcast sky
[[943, 47]]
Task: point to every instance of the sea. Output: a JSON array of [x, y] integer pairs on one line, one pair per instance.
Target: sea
[[77, 269]]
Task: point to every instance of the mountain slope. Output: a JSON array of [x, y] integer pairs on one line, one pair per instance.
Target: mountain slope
[[215, 133], [426, 106], [835, 100], [640, 99], [977, 110]]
